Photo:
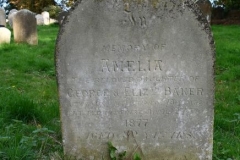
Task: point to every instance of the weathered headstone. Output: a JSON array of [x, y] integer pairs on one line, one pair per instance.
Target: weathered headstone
[[25, 27], [10, 16], [5, 35], [2, 17], [138, 74], [40, 20], [206, 8], [46, 17]]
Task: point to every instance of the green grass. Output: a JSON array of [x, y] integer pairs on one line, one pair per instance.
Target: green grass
[[29, 113], [227, 106]]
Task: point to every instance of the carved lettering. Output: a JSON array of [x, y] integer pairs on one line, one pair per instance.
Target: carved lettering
[[136, 122], [184, 91], [124, 48], [182, 135], [131, 65], [87, 93], [136, 92], [110, 135]]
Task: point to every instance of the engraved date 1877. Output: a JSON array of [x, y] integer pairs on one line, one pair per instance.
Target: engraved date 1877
[[136, 122]]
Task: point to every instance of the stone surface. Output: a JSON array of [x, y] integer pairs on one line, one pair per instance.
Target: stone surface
[[2, 17], [139, 75], [40, 20], [206, 8], [46, 17], [25, 27], [5, 35], [10, 16]]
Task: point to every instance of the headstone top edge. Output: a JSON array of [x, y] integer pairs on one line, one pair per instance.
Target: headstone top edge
[[188, 3], [24, 11]]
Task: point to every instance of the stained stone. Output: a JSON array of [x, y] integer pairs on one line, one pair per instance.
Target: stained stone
[[2, 17], [25, 27], [138, 74], [5, 35]]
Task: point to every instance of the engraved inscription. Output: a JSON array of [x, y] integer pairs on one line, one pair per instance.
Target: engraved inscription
[[123, 48], [136, 122], [135, 20], [182, 135], [128, 79], [111, 135], [131, 65], [177, 135], [133, 92], [184, 91]]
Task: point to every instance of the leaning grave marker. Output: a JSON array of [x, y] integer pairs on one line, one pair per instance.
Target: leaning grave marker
[[138, 74]]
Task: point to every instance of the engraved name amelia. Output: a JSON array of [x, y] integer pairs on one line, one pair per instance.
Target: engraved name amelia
[[131, 65]]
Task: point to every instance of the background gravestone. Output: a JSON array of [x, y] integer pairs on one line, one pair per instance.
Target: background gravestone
[[206, 8], [46, 17], [40, 20], [2, 17], [25, 27], [5, 35], [10, 16], [138, 74]]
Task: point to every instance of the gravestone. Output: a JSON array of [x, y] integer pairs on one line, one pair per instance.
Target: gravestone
[[138, 74], [25, 27], [46, 18], [5, 35], [40, 20], [2, 17], [206, 8], [10, 16]]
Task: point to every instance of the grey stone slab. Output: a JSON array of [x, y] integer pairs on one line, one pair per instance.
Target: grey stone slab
[[138, 74], [2, 17], [25, 27]]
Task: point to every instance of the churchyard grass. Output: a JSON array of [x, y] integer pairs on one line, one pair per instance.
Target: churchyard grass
[[227, 104], [29, 114]]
